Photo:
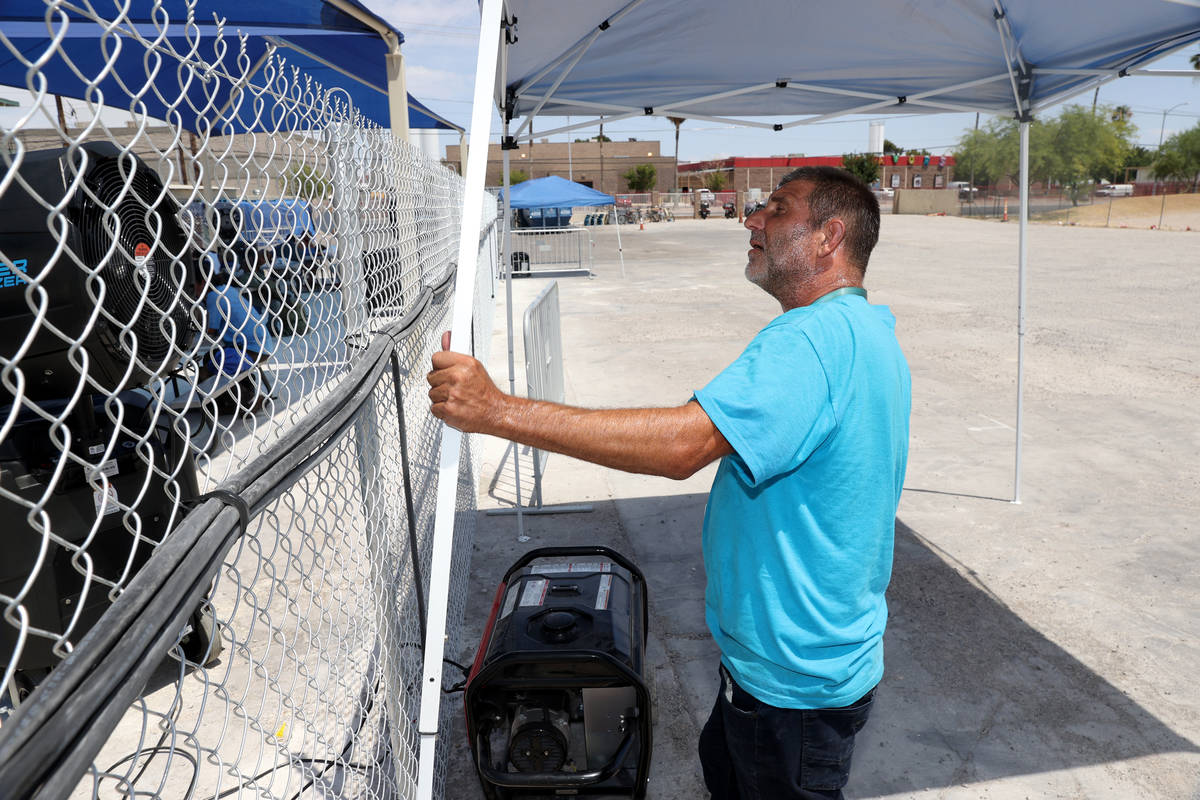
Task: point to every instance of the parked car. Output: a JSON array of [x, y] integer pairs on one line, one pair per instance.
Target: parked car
[[965, 190], [1115, 190], [885, 193]]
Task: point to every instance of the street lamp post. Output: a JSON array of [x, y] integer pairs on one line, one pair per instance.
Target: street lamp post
[[1162, 130]]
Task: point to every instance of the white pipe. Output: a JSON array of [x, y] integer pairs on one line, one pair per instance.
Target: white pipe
[[508, 310], [448, 466], [1022, 263], [617, 222], [546, 70], [397, 90], [554, 88], [592, 123]]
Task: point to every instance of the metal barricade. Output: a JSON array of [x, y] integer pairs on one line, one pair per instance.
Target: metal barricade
[[552, 252]]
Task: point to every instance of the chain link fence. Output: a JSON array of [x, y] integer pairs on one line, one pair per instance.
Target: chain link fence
[[217, 463]]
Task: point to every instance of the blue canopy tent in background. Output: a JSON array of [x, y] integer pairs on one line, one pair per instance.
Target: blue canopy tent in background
[[338, 42], [555, 192]]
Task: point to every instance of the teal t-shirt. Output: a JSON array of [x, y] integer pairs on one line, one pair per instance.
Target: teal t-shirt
[[800, 521]]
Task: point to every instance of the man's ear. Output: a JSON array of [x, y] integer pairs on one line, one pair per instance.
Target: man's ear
[[834, 233]]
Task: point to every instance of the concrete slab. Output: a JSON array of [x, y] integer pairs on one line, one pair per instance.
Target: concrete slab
[[1046, 649]]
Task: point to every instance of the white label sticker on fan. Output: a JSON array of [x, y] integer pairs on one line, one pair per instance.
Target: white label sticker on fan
[[95, 449], [535, 592], [109, 467], [106, 503], [603, 592]]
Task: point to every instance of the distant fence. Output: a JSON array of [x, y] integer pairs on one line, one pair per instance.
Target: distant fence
[[217, 462], [1165, 205], [542, 250]]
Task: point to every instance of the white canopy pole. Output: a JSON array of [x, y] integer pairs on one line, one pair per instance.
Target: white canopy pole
[[448, 466], [1022, 261], [617, 222], [508, 309]]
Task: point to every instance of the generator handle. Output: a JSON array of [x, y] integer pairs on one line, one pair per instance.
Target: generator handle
[[537, 780], [579, 550]]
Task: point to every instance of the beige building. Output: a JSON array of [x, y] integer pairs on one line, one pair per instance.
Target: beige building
[[601, 165]]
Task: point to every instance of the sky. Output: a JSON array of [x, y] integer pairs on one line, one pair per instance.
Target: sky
[[440, 51], [440, 46]]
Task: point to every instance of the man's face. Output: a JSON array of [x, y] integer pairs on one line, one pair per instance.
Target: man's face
[[780, 240]]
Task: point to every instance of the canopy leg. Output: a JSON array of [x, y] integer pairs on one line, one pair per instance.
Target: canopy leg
[[448, 464], [1022, 262], [508, 309]]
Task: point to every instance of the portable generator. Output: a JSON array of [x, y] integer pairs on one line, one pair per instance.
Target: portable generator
[[556, 700]]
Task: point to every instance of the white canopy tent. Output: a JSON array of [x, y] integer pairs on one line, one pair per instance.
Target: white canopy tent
[[782, 64]]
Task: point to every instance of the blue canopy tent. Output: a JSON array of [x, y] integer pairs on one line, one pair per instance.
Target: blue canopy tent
[[553, 192], [338, 42]]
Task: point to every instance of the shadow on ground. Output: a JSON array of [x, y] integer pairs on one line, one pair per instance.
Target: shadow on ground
[[972, 693]]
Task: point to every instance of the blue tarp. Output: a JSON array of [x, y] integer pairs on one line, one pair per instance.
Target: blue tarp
[[556, 192], [309, 34]]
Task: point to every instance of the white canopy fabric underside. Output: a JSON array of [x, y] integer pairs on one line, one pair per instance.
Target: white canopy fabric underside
[[783, 59]]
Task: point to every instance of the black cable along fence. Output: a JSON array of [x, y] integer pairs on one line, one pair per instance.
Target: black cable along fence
[[217, 463]]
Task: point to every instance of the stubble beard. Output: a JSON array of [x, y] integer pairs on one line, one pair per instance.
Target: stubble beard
[[779, 277]]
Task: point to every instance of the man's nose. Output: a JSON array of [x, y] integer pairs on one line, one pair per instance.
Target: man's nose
[[752, 222]]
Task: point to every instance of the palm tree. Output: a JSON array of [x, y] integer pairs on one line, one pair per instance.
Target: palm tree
[[676, 121], [1121, 113], [1196, 61]]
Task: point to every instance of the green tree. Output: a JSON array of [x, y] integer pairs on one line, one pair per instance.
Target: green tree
[[715, 181], [1072, 149], [517, 176], [1179, 157], [890, 148], [641, 178], [308, 184], [863, 166], [1086, 146]]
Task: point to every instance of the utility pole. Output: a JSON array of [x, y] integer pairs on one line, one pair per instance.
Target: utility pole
[[600, 140]]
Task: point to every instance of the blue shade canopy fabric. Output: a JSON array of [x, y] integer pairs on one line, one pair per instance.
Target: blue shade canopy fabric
[[780, 59], [311, 35], [554, 191]]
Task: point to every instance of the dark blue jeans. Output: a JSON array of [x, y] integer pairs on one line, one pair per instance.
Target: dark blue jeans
[[753, 751]]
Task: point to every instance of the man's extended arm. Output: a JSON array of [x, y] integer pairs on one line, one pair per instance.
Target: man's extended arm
[[673, 442]]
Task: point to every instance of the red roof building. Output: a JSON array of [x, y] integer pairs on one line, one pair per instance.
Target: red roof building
[[744, 173]]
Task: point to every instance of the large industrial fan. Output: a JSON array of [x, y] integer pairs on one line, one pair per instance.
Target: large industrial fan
[[119, 287], [95, 298], [556, 701]]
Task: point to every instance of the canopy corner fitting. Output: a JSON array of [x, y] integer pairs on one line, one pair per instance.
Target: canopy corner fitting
[[510, 29], [508, 143], [1024, 93], [648, 111], [781, 84], [776, 127]]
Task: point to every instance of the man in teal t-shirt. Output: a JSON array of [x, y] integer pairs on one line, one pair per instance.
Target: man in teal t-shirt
[[811, 426]]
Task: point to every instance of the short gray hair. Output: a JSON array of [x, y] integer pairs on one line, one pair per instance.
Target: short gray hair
[[837, 193]]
